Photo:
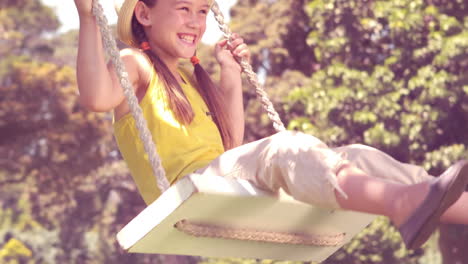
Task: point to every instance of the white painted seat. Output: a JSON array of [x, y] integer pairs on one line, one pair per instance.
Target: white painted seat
[[232, 203], [226, 207]]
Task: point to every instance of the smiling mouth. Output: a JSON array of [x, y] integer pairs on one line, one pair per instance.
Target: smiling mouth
[[189, 39]]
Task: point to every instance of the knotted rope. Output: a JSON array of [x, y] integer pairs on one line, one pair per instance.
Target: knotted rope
[[294, 238], [110, 46], [251, 75]]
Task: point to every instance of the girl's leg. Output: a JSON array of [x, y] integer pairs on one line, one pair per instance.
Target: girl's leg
[[376, 196], [376, 163], [311, 172], [415, 209], [458, 212]]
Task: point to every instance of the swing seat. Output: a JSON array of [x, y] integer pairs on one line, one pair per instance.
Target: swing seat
[[214, 216]]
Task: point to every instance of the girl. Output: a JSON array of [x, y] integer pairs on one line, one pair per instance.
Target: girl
[[199, 127]]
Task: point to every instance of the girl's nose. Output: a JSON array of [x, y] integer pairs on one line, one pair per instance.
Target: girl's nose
[[194, 20]]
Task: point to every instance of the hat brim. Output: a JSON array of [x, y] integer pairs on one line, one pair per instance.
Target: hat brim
[[124, 23]]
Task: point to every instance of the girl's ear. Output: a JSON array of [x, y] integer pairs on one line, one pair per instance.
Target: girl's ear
[[142, 13]]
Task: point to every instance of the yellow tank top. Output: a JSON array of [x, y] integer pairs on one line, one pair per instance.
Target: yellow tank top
[[182, 149]]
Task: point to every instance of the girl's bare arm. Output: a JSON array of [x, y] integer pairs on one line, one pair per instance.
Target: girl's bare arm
[[231, 83], [97, 81]]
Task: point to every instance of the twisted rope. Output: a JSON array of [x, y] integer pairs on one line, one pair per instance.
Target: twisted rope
[[251, 75], [111, 48], [192, 228], [215, 231]]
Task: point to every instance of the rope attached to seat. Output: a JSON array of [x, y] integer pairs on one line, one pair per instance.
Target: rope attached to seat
[[294, 238], [193, 228], [110, 47], [251, 75]]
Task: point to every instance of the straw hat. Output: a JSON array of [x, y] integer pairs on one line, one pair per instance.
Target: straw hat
[[125, 9]]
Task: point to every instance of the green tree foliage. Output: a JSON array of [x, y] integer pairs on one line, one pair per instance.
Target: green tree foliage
[[390, 74], [64, 191], [21, 24]]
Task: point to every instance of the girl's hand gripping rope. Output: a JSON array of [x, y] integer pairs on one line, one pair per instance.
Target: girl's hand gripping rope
[[228, 54]]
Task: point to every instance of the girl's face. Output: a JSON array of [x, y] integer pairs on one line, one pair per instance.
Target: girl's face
[[175, 27]]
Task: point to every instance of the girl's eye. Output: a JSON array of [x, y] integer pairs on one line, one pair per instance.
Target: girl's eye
[[184, 9], [204, 11]]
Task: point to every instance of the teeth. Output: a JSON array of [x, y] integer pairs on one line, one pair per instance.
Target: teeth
[[187, 38]]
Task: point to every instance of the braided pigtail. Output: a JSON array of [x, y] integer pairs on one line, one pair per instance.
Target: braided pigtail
[[178, 102], [214, 100]]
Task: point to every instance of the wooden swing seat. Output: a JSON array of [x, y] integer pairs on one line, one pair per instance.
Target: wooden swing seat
[[242, 220], [218, 217]]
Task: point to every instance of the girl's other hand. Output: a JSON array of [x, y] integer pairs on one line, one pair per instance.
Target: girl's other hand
[[84, 7], [226, 54]]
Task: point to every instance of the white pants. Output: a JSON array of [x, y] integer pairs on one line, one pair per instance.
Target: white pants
[[305, 167]]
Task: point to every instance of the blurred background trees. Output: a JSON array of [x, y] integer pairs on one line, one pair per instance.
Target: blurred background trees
[[390, 74], [62, 182]]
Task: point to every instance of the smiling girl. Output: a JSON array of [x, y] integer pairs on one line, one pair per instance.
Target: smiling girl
[[199, 127]]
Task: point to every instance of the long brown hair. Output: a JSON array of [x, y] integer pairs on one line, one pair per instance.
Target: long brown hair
[[178, 102]]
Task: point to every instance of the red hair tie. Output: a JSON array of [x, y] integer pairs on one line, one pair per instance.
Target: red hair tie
[[194, 60], [145, 46]]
